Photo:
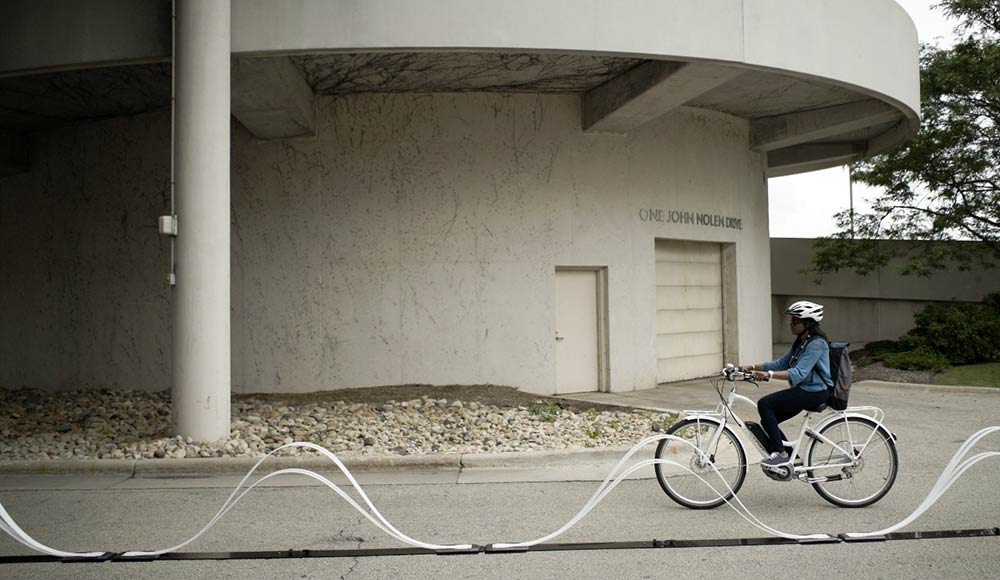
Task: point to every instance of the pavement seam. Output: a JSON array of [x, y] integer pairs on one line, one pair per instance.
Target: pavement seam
[[356, 561], [193, 467]]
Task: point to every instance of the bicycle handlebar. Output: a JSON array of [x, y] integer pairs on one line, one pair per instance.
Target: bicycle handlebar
[[734, 374]]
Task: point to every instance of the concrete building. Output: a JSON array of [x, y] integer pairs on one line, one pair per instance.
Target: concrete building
[[558, 196]]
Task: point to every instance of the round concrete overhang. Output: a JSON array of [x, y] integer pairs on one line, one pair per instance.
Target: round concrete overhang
[[821, 83]]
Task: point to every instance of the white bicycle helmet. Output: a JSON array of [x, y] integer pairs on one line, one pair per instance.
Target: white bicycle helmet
[[806, 309]]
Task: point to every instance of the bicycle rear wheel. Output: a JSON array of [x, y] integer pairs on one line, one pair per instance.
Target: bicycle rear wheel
[[857, 483], [727, 456]]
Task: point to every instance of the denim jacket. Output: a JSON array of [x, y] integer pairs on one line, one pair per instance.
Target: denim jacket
[[811, 371]]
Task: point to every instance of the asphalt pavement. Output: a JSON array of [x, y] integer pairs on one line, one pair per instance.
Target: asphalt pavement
[[521, 500]]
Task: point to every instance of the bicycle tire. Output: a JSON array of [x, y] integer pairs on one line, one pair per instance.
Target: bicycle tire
[[879, 459], [680, 485]]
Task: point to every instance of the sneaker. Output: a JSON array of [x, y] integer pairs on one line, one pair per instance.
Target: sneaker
[[776, 460]]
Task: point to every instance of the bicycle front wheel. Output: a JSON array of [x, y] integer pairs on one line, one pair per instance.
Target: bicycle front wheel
[[723, 453], [853, 482]]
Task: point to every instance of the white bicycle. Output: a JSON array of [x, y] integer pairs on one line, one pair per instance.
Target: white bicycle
[[849, 457]]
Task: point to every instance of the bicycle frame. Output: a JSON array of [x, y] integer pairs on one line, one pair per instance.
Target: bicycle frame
[[724, 412]]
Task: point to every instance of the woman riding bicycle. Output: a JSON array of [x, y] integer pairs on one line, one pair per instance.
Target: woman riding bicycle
[[806, 367]]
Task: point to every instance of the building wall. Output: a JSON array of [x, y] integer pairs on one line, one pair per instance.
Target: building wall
[[415, 240], [853, 320], [83, 299], [861, 309]]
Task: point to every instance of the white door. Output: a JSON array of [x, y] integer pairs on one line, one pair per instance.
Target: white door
[[576, 331], [688, 310]]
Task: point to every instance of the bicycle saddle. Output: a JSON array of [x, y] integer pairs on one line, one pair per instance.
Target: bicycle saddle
[[817, 409]]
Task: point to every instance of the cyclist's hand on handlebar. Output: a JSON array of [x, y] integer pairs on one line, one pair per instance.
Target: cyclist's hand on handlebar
[[733, 373], [761, 376]]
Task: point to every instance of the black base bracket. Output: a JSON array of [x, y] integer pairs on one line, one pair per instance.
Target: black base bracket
[[492, 549]]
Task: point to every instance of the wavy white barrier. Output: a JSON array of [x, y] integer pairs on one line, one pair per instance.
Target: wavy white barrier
[[958, 465]]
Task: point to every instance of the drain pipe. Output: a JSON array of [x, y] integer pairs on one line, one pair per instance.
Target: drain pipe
[[168, 223]]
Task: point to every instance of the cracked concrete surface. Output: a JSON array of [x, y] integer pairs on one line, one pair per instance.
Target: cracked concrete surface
[[433, 72]]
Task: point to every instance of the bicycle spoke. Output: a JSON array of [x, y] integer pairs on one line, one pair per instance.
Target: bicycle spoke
[[854, 481], [727, 453]]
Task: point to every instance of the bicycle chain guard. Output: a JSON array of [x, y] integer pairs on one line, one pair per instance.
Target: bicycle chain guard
[[777, 473]]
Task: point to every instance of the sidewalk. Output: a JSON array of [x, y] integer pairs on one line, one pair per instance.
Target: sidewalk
[[699, 394], [674, 397], [580, 465], [538, 466]]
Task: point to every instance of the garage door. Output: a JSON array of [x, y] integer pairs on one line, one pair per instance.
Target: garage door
[[688, 310]]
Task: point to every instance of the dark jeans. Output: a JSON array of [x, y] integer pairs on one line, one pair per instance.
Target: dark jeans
[[782, 406]]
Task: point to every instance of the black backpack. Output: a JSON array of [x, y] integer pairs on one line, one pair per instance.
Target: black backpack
[[840, 372]]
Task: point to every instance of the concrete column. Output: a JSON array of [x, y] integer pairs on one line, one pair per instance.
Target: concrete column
[[201, 340]]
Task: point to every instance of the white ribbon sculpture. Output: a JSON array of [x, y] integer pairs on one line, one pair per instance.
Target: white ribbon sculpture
[[958, 465]]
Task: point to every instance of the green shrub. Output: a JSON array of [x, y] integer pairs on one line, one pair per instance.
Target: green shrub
[[992, 301], [964, 333], [879, 348], [922, 359], [945, 334], [547, 412], [911, 341]]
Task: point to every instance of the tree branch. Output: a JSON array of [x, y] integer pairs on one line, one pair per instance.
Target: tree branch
[[960, 224]]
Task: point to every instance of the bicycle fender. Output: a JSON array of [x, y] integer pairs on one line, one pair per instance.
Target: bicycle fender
[[854, 415], [705, 415]]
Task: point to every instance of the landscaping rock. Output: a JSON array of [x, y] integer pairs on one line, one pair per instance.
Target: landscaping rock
[[38, 425]]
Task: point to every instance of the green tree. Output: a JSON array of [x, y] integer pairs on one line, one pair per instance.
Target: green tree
[[944, 184]]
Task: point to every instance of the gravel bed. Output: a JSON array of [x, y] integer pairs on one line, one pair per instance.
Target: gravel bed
[[879, 372], [38, 425]]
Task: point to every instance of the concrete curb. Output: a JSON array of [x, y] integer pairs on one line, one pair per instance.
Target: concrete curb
[[535, 459], [241, 465], [926, 387], [118, 467], [626, 404]]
